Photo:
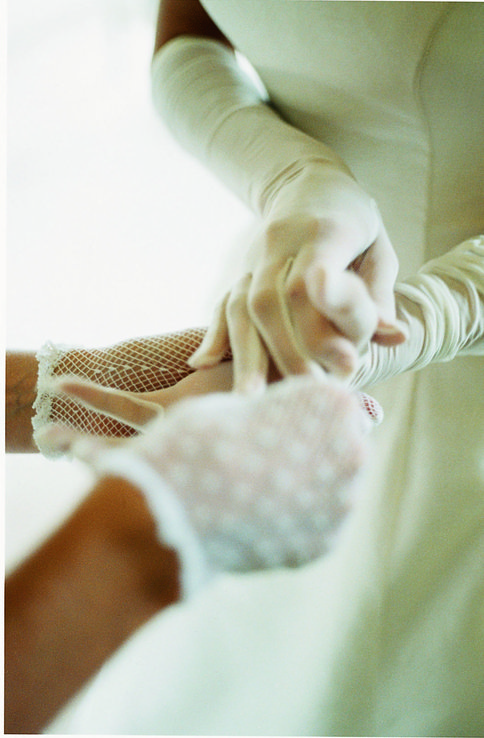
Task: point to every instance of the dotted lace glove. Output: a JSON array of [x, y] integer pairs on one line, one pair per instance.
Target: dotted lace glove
[[241, 483]]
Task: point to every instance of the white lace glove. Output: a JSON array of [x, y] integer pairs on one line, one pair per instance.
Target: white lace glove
[[301, 304], [240, 483]]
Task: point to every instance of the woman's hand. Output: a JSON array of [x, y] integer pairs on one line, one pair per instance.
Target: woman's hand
[[320, 288], [320, 285], [221, 472], [136, 409]]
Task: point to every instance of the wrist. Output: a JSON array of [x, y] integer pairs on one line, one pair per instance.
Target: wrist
[[170, 521], [318, 186], [20, 393]]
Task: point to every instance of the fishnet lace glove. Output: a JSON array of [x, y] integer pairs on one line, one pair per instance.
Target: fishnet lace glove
[[115, 405], [138, 365], [240, 483]]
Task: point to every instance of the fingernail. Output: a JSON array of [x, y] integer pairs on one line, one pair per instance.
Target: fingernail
[[391, 330], [386, 329]]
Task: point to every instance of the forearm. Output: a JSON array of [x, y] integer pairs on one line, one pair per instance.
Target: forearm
[[20, 393], [78, 598], [443, 308], [219, 115]]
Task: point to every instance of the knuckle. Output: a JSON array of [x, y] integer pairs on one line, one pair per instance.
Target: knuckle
[[236, 304], [277, 230], [236, 299], [296, 290], [296, 228], [261, 303]]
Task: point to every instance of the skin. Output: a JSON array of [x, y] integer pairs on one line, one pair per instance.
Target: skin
[[21, 370], [185, 17], [78, 598], [20, 391], [94, 582], [338, 293]]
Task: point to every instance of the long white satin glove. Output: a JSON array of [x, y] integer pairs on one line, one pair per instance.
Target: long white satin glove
[[443, 309], [240, 483], [323, 269]]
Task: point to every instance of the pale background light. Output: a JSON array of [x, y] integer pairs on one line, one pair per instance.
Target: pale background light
[[112, 230]]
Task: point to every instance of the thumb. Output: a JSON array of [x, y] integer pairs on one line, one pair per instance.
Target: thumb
[[378, 270]]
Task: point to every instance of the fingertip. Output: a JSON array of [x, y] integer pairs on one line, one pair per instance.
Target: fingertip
[[390, 334], [57, 437], [204, 360], [54, 385], [209, 353], [254, 385]]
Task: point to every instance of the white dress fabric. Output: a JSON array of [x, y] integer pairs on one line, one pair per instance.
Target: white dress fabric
[[384, 636]]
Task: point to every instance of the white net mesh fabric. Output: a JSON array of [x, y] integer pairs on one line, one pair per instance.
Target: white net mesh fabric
[[138, 365]]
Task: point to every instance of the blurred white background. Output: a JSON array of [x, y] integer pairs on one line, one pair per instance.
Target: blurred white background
[[112, 230]]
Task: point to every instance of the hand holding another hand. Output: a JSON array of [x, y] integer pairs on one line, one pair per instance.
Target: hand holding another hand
[[320, 287]]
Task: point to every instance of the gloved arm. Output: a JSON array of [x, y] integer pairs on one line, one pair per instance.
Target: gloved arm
[[316, 222], [443, 308]]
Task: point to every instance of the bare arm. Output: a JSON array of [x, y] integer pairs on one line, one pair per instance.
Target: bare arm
[[20, 391], [78, 598], [180, 17]]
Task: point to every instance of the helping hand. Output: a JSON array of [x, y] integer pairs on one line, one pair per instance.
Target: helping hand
[[320, 289]]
